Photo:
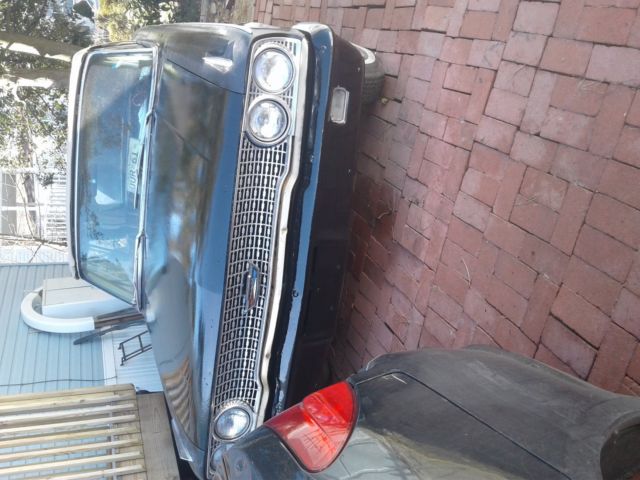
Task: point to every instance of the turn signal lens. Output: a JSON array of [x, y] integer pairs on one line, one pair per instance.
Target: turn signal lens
[[317, 429]]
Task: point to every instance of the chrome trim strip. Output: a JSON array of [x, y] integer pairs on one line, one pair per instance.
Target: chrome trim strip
[[283, 228]]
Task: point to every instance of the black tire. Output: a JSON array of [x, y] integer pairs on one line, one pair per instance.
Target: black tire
[[373, 75]]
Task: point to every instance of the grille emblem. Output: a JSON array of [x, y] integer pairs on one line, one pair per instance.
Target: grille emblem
[[251, 287]]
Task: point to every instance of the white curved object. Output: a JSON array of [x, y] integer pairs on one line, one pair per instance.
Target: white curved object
[[32, 317]]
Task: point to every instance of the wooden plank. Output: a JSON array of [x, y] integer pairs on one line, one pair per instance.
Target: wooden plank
[[77, 435], [67, 426], [159, 454], [74, 462], [74, 401], [67, 450], [63, 414], [93, 474], [65, 393]]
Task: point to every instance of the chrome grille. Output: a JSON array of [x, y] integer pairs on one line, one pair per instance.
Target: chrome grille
[[260, 174]]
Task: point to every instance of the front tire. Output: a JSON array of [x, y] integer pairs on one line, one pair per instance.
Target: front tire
[[373, 75]]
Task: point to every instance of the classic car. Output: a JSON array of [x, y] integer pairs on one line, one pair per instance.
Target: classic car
[[210, 172], [473, 414]]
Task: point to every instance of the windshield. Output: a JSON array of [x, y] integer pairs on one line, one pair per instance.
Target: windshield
[[112, 115]]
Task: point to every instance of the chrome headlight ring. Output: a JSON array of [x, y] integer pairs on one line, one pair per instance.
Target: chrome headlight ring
[[273, 53], [263, 126]]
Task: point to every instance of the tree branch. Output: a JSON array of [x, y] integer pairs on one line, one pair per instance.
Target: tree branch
[[42, 47]]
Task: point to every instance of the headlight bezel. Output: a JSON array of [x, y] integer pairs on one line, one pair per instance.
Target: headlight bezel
[[238, 406], [276, 48], [256, 138]]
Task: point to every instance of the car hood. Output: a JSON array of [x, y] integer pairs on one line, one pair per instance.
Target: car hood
[[190, 180]]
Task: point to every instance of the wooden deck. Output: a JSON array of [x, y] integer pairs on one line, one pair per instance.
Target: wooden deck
[[88, 433]]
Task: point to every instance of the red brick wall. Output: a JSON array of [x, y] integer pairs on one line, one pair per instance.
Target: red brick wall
[[498, 191]]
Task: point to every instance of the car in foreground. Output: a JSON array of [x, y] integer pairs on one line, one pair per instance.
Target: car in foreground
[[473, 414], [210, 172]]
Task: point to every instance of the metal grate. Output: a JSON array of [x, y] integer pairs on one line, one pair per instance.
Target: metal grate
[[259, 177]]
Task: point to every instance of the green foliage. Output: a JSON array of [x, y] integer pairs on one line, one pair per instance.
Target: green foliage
[[122, 18]]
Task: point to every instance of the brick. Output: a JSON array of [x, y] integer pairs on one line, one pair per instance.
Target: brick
[[435, 86], [369, 38], [568, 347], [456, 17], [610, 120], [540, 301], [451, 283], [534, 151], [433, 123], [634, 366], [568, 18], [504, 234], [615, 65], [453, 104], [568, 128], [515, 78], [468, 237], [621, 181], [436, 242], [455, 50], [506, 15], [511, 338], [415, 89], [515, 274], [525, 48], [480, 186], [603, 252], [422, 67], [634, 37], [538, 103], [481, 312], [577, 95], [479, 95], [488, 161], [496, 134], [509, 189], [633, 279], [592, 285], [391, 63], [471, 211], [543, 258], [633, 116], [628, 148], [486, 54], [387, 41], [478, 25], [453, 178], [440, 152], [578, 167], [546, 356], [484, 5], [436, 18], [534, 217], [613, 358], [407, 41], [579, 315], [460, 78], [566, 56], [460, 133], [445, 306], [374, 18], [572, 214], [440, 329], [605, 25], [419, 220], [616, 219], [536, 17], [627, 312], [430, 44], [401, 19], [395, 175], [543, 188], [506, 106]]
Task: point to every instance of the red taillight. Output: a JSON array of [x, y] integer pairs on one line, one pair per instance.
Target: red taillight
[[316, 429]]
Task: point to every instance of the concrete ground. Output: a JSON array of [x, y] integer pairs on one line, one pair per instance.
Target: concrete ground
[[497, 195]]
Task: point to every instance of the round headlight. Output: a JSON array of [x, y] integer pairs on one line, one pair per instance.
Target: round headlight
[[272, 70], [232, 423], [267, 121]]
